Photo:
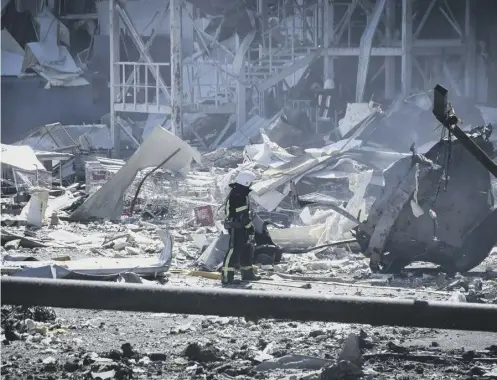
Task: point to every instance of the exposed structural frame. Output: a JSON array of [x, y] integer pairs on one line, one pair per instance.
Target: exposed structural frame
[[118, 13], [262, 66], [250, 304]]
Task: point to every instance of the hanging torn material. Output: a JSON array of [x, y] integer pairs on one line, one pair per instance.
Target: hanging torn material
[[107, 202]]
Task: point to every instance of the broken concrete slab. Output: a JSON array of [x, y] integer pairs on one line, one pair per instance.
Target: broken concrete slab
[[26, 242], [107, 202]]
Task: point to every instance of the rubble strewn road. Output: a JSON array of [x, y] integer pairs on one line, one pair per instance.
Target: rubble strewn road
[[79, 343], [173, 238], [89, 343]]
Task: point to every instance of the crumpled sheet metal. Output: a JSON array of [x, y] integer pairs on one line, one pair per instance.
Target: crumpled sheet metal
[[107, 202], [336, 225], [459, 238], [354, 114], [20, 157]]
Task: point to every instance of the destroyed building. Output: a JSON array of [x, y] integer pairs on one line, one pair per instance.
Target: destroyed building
[[125, 121]]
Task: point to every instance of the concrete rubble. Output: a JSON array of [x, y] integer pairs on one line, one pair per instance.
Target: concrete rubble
[[318, 210]]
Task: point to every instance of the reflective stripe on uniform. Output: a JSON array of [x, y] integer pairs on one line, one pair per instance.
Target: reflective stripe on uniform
[[249, 225], [227, 209], [241, 208], [250, 267], [226, 267]]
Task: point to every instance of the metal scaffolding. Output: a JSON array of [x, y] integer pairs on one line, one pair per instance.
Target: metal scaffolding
[[236, 78]]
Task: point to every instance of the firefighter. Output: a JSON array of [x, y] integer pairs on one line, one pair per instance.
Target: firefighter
[[241, 230]]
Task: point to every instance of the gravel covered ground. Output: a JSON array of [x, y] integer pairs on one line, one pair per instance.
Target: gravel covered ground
[[83, 344], [101, 344]]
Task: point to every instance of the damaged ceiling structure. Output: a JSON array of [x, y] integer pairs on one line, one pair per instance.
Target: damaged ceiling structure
[[368, 127]]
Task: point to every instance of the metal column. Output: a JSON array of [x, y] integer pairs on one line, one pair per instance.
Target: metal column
[[365, 49], [114, 45], [389, 61], [470, 47], [176, 68], [241, 93], [406, 59], [328, 39], [262, 11]]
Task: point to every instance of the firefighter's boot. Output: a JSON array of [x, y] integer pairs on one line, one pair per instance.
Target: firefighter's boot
[[227, 278], [249, 275]]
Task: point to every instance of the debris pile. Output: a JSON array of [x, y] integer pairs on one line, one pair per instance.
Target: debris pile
[[22, 323], [350, 217]]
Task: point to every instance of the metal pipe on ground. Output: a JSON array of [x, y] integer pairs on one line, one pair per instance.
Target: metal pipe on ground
[[247, 303]]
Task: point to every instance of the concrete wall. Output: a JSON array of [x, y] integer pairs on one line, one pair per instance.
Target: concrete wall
[[26, 105]]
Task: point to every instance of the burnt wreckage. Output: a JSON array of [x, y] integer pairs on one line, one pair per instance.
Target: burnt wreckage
[[436, 207]]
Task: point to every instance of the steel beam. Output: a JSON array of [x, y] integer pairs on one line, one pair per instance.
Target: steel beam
[[470, 47], [328, 38], [114, 56], [140, 45], [424, 18], [473, 148], [406, 61], [176, 68], [241, 90], [263, 13], [251, 304], [287, 71], [389, 61], [365, 49], [345, 21], [131, 76]]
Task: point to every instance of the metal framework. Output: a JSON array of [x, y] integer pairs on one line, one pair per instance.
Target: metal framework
[[237, 80], [249, 304]]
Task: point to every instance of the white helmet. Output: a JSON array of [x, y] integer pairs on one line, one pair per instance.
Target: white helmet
[[329, 84], [245, 178]]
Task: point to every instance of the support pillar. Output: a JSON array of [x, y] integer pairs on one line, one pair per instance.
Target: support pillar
[[328, 39], [241, 93], [262, 11], [406, 59], [390, 61], [176, 68], [114, 45], [470, 56], [365, 49]]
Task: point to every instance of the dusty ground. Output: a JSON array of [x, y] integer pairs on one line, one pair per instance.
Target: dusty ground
[[89, 344], [237, 346]]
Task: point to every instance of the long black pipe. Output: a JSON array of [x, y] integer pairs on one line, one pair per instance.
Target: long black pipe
[[247, 303]]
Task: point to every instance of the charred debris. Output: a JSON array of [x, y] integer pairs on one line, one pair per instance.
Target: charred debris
[[434, 204]]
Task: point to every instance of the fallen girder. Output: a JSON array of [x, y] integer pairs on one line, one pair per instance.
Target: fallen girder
[[250, 304]]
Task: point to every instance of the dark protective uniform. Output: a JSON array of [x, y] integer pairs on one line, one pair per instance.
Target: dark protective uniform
[[238, 222]]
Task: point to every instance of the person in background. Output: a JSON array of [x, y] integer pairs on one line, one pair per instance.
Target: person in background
[[324, 98]]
